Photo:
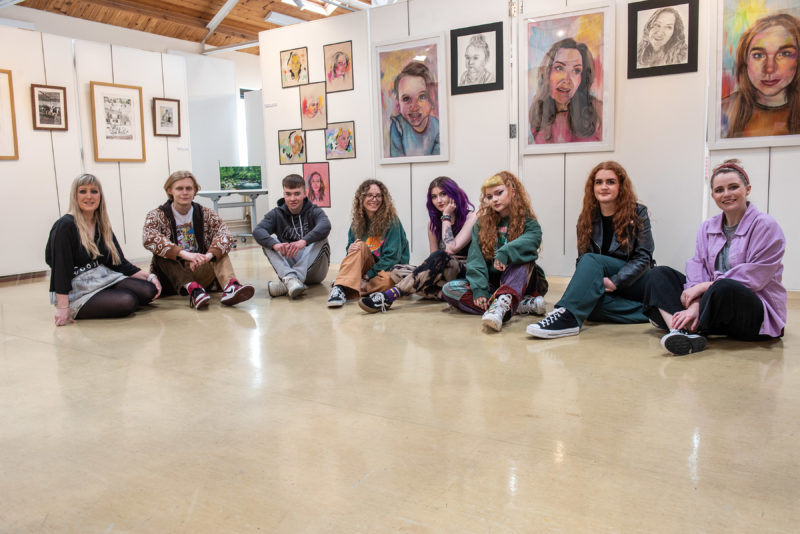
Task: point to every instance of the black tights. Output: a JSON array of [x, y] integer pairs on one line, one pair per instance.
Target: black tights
[[119, 300]]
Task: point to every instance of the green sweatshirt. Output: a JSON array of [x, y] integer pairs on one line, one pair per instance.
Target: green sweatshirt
[[389, 249], [524, 249]]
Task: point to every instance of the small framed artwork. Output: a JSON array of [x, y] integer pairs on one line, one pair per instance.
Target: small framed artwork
[[476, 59], [339, 66], [117, 123], [662, 37], [755, 86], [340, 140], [318, 184], [567, 76], [294, 67], [239, 178], [49, 107], [167, 117], [313, 107], [412, 100], [8, 121], [291, 147]]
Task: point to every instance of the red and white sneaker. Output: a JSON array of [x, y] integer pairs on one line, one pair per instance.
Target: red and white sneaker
[[234, 292], [199, 298]]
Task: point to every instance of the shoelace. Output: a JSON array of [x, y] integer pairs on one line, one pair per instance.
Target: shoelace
[[337, 293], [552, 317]]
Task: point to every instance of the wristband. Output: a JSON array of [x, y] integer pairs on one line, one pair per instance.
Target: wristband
[[446, 218], [151, 277]]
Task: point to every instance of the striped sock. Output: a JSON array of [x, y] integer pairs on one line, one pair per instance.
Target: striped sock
[[392, 294]]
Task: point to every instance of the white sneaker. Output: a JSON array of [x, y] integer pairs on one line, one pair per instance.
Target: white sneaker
[[534, 305], [294, 287], [276, 289], [337, 297], [493, 317]]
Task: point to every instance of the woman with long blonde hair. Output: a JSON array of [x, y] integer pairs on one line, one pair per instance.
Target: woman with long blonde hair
[[376, 242], [501, 266], [90, 276], [615, 253]]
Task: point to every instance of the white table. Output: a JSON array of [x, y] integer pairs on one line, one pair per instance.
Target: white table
[[251, 194]]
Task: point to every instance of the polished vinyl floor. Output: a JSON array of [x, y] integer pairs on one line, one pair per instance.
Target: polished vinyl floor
[[287, 417]]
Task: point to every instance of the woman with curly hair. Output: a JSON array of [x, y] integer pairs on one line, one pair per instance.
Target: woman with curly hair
[[563, 109], [615, 254], [501, 260], [451, 217], [663, 40], [376, 242]]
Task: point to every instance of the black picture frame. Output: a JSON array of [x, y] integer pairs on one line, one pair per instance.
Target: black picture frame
[[639, 11], [457, 59]]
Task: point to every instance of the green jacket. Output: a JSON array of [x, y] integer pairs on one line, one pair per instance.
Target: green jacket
[[392, 251], [524, 249]]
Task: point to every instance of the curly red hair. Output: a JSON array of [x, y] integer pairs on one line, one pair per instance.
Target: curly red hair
[[488, 218]]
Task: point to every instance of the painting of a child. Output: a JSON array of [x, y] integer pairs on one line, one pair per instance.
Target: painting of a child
[[415, 128]]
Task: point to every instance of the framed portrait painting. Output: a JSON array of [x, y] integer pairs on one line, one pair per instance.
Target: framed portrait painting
[[318, 184], [8, 120], [294, 67], [49, 107], [662, 37], [313, 106], [340, 140], [567, 76], [167, 117], [117, 123], [476, 59], [755, 93], [338, 66], [291, 147], [412, 100]]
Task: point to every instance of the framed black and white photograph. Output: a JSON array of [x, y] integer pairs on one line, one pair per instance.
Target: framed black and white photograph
[[49, 107], [117, 124], [167, 117], [476, 59], [8, 121], [662, 37]]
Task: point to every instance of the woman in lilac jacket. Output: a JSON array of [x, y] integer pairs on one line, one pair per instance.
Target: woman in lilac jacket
[[733, 283]]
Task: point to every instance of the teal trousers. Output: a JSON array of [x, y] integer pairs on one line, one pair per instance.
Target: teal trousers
[[586, 297]]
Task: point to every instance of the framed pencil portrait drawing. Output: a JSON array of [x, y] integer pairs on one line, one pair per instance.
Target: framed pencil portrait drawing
[[567, 77], [294, 67], [755, 89], [117, 122], [662, 37], [8, 121], [338, 66], [412, 100], [291, 147], [49, 107], [476, 59], [166, 117]]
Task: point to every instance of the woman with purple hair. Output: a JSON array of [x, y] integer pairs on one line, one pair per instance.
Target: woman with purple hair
[[452, 216]]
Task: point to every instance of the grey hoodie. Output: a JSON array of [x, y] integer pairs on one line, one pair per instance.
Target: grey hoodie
[[310, 224]]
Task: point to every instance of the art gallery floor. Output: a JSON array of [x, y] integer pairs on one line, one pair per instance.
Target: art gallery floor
[[285, 416]]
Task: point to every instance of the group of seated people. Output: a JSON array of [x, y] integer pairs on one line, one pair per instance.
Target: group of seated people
[[482, 260]]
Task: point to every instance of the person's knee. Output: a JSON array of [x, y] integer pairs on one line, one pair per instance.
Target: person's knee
[[588, 260]]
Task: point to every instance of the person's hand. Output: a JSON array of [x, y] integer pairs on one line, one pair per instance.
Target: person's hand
[[693, 293], [153, 279], [63, 317], [355, 247], [279, 248], [293, 248], [481, 302], [499, 265], [450, 208], [687, 319], [608, 285]]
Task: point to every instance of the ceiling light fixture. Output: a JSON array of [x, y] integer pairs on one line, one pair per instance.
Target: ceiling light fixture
[[314, 7], [280, 19]]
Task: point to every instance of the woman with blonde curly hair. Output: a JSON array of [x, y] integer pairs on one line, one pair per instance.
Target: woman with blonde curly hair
[[376, 242], [501, 260], [615, 254]]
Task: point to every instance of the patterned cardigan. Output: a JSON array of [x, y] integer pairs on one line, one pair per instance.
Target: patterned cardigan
[[160, 234]]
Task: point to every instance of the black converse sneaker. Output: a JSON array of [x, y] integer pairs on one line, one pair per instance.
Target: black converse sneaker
[[559, 323], [374, 303], [337, 297], [681, 342]]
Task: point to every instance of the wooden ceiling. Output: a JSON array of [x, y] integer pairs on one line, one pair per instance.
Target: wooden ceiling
[[182, 19]]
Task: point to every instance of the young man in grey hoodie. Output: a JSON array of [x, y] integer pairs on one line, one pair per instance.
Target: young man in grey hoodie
[[295, 240]]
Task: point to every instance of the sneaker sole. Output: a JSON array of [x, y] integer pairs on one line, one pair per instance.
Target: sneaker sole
[[246, 293], [297, 293], [681, 345], [492, 324], [552, 334], [335, 304], [277, 292], [367, 308], [203, 303]]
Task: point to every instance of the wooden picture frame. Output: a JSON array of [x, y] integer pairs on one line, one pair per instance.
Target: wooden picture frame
[[166, 117], [9, 149], [294, 67], [117, 124], [340, 140], [662, 37], [49, 107], [338, 66], [482, 45]]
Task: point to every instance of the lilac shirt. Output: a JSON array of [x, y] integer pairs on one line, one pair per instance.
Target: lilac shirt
[[755, 255]]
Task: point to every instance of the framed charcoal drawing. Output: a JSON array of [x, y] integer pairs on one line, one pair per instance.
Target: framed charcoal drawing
[[49, 107], [117, 123], [662, 37], [476, 59], [167, 117]]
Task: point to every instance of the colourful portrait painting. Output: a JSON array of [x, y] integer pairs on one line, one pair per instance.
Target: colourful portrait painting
[[313, 108], [291, 147], [567, 79], [318, 184], [412, 113], [339, 66], [294, 67], [758, 79], [340, 140]]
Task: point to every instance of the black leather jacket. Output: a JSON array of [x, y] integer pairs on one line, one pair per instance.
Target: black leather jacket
[[638, 253]]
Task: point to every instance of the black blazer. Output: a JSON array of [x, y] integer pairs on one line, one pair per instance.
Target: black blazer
[[638, 253]]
